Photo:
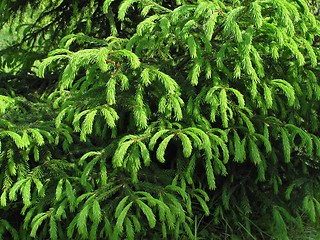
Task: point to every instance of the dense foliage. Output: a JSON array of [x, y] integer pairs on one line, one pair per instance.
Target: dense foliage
[[159, 119]]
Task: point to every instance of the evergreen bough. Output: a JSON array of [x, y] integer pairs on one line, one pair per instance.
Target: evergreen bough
[[196, 119]]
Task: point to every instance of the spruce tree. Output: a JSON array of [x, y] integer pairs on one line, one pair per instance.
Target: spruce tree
[[160, 120]]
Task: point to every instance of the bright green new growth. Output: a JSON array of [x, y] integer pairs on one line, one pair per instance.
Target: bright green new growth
[[189, 120]]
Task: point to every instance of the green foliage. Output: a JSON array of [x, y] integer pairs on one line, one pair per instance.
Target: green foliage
[[160, 120]]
